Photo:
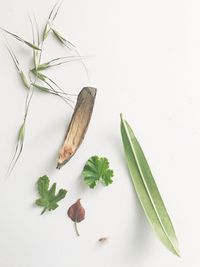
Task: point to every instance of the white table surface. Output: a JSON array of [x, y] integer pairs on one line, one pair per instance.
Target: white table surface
[[145, 62]]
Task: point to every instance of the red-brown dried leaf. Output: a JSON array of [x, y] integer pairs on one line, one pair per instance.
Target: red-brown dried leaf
[[76, 212]]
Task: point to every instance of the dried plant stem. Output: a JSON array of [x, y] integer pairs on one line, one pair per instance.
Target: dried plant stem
[[76, 228], [44, 78], [51, 86]]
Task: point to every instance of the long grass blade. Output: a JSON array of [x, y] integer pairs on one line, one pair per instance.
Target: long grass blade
[[20, 39], [147, 189]]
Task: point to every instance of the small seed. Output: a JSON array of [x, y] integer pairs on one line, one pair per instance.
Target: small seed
[[103, 239]]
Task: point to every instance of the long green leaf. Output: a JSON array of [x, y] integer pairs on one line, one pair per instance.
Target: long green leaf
[[147, 189]]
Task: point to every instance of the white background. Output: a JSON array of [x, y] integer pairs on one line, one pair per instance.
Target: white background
[[145, 62]]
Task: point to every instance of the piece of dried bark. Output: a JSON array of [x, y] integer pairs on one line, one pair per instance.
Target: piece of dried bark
[[76, 213], [78, 124]]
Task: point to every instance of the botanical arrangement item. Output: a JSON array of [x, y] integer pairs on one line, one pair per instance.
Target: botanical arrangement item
[[77, 214], [96, 170], [147, 189], [37, 79], [48, 197], [103, 239], [78, 125]]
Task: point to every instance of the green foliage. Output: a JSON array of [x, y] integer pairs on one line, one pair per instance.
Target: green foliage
[[48, 197], [97, 169], [147, 189]]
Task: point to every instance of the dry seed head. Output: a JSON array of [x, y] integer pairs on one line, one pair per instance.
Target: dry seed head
[[24, 80]]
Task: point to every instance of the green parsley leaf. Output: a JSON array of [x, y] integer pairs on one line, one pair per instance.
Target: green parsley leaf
[[97, 169], [48, 197]]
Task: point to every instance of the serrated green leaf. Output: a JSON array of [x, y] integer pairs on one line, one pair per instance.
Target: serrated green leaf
[[41, 202], [147, 189], [97, 169], [61, 194], [53, 206], [107, 177], [48, 197], [52, 191]]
